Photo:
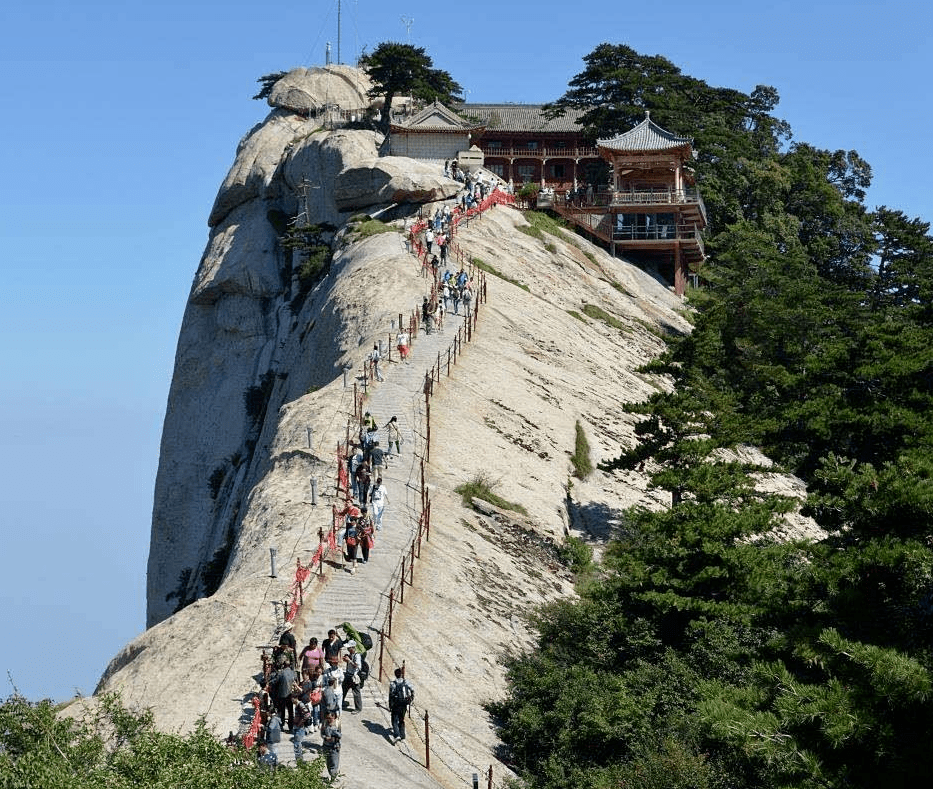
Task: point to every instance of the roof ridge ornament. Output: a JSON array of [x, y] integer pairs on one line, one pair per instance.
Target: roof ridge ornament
[[647, 115]]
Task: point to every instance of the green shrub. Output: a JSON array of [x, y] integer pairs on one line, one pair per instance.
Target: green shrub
[[481, 487], [576, 554], [582, 464]]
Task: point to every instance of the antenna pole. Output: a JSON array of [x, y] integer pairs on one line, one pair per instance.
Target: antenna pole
[[408, 22]]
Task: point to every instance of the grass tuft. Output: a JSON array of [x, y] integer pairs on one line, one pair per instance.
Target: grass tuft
[[600, 314], [481, 487], [496, 273]]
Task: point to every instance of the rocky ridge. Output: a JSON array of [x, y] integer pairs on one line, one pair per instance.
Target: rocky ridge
[[234, 479]]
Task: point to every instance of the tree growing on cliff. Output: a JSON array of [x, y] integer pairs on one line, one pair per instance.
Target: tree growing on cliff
[[402, 69]]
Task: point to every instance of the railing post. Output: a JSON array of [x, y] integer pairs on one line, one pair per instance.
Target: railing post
[[448, 362], [428, 522], [320, 546], [427, 742], [391, 606], [420, 531], [401, 590], [381, 643], [411, 567]]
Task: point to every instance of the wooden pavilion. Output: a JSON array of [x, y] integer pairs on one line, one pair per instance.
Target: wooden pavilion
[[652, 210]]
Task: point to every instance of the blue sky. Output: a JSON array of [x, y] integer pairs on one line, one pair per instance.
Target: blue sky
[[119, 121]]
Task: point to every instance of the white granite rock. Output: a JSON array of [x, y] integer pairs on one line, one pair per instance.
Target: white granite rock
[[308, 89], [392, 179]]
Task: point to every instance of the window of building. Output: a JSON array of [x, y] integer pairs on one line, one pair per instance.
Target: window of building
[[557, 170], [532, 145], [560, 144], [494, 144], [496, 169], [526, 172]]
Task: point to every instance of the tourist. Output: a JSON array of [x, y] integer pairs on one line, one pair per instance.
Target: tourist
[[394, 435], [267, 758], [364, 528], [356, 460], [362, 481], [401, 695], [377, 459], [401, 342], [302, 717], [350, 539], [330, 736], [351, 678], [281, 689], [467, 296], [375, 357], [312, 656], [378, 498], [332, 647]]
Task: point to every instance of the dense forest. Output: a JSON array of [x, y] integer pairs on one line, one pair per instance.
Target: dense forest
[[701, 652]]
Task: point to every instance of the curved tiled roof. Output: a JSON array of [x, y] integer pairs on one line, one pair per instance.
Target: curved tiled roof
[[646, 136], [435, 117], [519, 118]]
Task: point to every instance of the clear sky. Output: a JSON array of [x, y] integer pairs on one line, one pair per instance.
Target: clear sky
[[120, 120]]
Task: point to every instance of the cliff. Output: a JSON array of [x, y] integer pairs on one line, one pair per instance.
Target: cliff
[[258, 405]]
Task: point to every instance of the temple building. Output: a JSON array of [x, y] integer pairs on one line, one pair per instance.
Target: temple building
[[435, 134], [653, 210], [522, 145]]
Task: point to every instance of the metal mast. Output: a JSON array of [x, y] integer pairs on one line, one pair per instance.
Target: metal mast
[[338, 32]]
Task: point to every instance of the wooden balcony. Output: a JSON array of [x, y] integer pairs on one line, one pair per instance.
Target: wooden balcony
[[602, 222], [539, 153]]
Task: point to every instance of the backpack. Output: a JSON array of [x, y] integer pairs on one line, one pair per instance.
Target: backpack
[[401, 694], [367, 640], [302, 715], [364, 670]]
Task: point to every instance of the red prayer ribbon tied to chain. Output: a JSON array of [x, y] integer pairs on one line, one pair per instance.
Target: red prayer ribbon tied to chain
[[250, 737], [343, 475]]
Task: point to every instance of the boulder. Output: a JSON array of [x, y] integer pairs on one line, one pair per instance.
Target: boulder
[[306, 90], [392, 179]]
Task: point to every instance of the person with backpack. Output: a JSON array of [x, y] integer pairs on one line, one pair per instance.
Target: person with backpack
[[401, 695], [351, 678], [301, 717]]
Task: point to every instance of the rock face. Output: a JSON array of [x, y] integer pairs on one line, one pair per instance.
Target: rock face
[[306, 90], [258, 404]]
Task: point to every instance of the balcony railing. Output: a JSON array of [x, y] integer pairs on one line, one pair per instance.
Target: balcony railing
[[540, 153]]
